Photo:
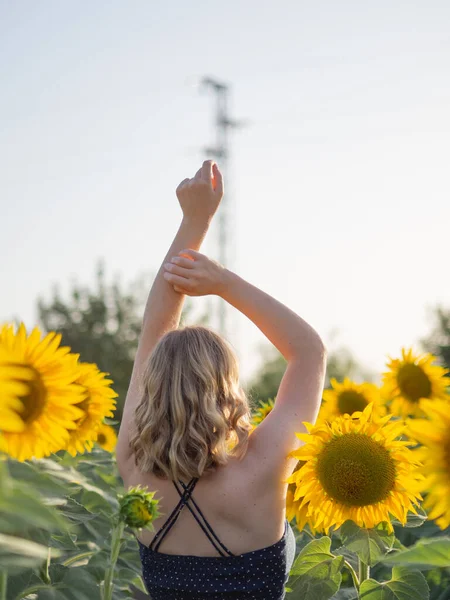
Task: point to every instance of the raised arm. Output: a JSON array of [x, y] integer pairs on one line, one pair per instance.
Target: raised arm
[[199, 199], [300, 391]]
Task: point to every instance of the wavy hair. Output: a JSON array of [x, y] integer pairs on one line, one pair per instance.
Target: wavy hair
[[193, 414]]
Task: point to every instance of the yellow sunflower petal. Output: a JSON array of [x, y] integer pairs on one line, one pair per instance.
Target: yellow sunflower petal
[[355, 469], [412, 379], [37, 383]]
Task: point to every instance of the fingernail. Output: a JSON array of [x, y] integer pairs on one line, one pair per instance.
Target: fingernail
[[167, 266]]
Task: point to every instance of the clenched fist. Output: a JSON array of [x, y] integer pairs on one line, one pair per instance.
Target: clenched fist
[[200, 196], [195, 274]]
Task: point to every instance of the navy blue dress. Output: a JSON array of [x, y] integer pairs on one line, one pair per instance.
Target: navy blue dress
[[257, 575]]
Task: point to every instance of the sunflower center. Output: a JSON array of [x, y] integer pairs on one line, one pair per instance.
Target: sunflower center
[[34, 402], [413, 382], [140, 511], [356, 470], [101, 439], [351, 401]]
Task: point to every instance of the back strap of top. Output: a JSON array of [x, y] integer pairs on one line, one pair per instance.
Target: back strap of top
[[172, 518], [205, 526], [185, 493]]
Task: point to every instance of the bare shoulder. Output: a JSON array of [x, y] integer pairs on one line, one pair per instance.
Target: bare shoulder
[[297, 402]]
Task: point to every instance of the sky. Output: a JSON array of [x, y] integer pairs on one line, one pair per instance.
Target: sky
[[338, 183]]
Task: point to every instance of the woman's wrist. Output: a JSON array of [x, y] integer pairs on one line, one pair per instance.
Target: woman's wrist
[[199, 224], [227, 281]]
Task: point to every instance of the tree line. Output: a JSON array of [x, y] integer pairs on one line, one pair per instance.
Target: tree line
[[102, 322]]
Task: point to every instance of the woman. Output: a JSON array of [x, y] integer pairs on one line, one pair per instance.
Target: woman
[[186, 425]]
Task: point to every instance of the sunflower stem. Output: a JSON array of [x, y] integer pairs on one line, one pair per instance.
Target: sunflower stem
[[45, 574], [308, 533], [3, 584], [353, 574], [116, 539], [364, 571]]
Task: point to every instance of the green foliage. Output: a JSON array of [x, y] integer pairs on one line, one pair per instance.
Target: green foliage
[[438, 342], [17, 553], [340, 364], [60, 535], [57, 517], [404, 585], [268, 377], [316, 573], [370, 545], [101, 324], [413, 519], [60, 538], [426, 554]]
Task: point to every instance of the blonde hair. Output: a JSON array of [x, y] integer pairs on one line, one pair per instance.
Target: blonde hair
[[193, 414]]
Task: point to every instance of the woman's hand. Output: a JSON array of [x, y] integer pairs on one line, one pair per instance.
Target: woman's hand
[[200, 196], [195, 274]]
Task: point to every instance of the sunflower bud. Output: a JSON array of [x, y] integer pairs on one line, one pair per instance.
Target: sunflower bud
[[138, 508]]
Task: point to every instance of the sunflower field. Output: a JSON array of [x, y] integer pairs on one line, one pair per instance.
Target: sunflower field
[[370, 497]]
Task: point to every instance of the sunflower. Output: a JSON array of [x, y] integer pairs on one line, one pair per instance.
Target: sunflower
[[106, 437], [138, 508], [295, 509], [38, 395], [264, 408], [98, 403], [349, 397], [356, 468], [412, 378], [434, 434], [13, 386]]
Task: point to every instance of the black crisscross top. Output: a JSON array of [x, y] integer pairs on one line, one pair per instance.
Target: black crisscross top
[[256, 575]]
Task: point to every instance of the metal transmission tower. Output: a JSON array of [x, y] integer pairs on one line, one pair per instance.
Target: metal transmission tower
[[220, 152]]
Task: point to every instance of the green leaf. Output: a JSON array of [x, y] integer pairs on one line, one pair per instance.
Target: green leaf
[[371, 545], [426, 554], [404, 585], [95, 503], [316, 572], [20, 581], [57, 572], [17, 553], [346, 594], [349, 556], [26, 592], [97, 565], [413, 520], [81, 557], [76, 511], [23, 509], [81, 585], [29, 473], [65, 541]]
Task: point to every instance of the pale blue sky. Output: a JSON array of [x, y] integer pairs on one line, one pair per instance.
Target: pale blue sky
[[340, 181]]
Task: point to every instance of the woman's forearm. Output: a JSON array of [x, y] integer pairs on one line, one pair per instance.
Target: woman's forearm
[[164, 305], [288, 332]]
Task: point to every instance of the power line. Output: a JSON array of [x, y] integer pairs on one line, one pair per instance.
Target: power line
[[220, 151]]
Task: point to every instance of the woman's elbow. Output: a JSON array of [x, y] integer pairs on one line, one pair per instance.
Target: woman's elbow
[[314, 351]]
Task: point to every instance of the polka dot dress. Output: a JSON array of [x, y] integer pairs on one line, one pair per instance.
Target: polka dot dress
[[261, 574]]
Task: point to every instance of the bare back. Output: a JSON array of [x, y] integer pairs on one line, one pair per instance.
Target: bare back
[[245, 509]]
